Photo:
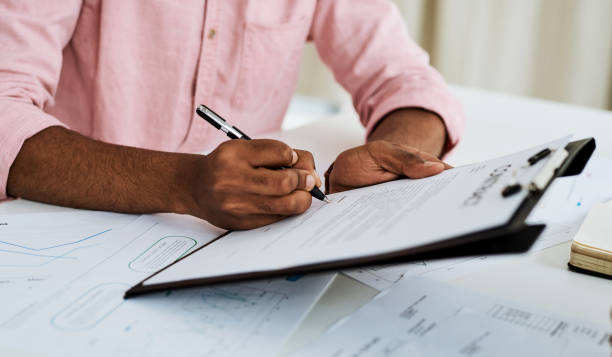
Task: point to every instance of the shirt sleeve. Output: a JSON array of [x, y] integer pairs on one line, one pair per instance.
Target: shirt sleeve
[[367, 47], [33, 34]]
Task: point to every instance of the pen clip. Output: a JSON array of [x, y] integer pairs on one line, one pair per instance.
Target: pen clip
[[211, 117], [221, 124]]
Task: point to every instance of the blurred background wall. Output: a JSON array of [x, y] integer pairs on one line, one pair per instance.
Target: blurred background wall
[[553, 49]]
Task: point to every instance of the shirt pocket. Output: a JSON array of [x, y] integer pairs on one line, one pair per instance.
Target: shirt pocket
[[269, 63]]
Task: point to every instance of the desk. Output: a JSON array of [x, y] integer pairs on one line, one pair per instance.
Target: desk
[[497, 124]]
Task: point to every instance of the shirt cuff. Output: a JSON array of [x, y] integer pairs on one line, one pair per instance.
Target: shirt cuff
[[19, 121], [434, 99]]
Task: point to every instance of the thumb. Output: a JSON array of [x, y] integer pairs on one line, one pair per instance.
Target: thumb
[[403, 161], [425, 155]]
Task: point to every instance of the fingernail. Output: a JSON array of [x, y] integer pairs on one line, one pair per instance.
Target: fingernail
[[318, 178], [310, 182], [294, 157], [433, 164]]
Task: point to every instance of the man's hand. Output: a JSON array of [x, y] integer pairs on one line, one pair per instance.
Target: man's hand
[[237, 187], [406, 143], [233, 187], [380, 161]]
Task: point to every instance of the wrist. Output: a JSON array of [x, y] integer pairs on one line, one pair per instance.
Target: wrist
[[184, 187], [415, 127]]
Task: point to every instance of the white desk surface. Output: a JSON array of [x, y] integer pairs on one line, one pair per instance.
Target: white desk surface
[[497, 124]]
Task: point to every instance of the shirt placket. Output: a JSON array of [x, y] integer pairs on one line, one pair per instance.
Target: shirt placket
[[204, 83]]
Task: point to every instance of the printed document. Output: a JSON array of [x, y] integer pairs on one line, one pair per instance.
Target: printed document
[[562, 209], [422, 317], [379, 219]]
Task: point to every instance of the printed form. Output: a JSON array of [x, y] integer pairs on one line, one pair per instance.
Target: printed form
[[563, 208], [422, 317], [378, 219]]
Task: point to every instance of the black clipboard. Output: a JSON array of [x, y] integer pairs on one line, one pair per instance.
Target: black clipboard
[[514, 237]]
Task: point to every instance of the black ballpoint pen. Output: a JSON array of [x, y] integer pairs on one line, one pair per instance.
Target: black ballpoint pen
[[234, 133]]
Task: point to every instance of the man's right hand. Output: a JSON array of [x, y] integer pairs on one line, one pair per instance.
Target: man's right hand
[[234, 187], [239, 185]]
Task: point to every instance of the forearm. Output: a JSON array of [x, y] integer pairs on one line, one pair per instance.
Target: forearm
[[61, 167], [414, 127]]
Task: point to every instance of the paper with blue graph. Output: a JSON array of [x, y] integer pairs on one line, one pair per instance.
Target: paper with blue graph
[[86, 313], [29, 242], [40, 251]]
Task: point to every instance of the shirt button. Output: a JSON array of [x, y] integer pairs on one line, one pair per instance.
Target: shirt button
[[212, 33]]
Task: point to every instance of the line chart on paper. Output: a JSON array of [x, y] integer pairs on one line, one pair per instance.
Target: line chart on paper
[[57, 245], [37, 240], [29, 252]]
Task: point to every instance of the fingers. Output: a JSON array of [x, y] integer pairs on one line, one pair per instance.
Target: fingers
[[248, 211], [306, 162], [250, 221], [249, 204], [241, 184], [264, 181], [274, 154], [400, 161], [269, 153]]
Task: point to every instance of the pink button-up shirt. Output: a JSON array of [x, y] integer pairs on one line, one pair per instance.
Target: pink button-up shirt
[[132, 72]]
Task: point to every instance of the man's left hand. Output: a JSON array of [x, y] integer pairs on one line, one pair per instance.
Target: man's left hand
[[404, 144], [380, 161]]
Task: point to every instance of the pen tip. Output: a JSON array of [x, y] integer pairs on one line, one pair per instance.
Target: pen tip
[[325, 199]]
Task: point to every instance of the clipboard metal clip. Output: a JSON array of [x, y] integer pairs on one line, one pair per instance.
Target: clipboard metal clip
[[541, 180], [543, 177]]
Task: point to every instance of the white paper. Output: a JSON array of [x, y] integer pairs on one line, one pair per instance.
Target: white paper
[[382, 277], [41, 250], [43, 243], [87, 316], [562, 209], [421, 317], [379, 219]]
